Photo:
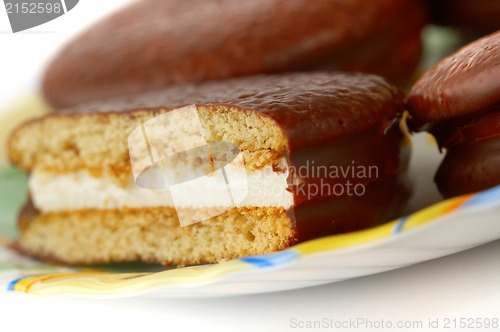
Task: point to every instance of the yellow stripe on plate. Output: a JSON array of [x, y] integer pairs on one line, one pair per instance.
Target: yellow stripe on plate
[[383, 231], [122, 283]]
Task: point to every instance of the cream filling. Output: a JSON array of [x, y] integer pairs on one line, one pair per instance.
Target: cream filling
[[234, 188]]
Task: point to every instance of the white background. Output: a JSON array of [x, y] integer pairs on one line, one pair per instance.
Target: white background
[[461, 285]]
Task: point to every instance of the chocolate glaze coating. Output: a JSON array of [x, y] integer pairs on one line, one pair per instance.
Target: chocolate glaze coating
[[463, 84], [470, 167], [383, 201], [156, 43], [309, 107], [467, 129], [384, 196], [392, 50], [475, 15], [458, 101]]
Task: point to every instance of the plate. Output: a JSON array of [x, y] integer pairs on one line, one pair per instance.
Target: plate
[[439, 229]]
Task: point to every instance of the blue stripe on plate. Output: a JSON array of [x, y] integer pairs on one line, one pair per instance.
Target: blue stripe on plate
[[398, 228], [487, 196], [274, 259], [12, 284]]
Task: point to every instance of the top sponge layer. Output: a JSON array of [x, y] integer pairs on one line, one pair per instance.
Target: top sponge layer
[[263, 113]]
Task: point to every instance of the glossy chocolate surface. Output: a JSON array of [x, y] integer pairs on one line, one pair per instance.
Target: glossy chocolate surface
[[474, 15], [329, 204], [392, 50], [470, 167], [463, 84], [467, 129], [383, 201], [458, 101], [362, 158], [153, 44], [309, 107]]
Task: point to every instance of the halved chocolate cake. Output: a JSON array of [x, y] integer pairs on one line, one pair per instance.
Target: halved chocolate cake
[[200, 174]]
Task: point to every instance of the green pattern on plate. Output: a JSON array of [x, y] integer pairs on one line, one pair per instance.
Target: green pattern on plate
[[13, 192]]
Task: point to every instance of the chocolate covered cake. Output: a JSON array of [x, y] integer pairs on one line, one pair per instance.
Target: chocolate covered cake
[[200, 174], [458, 101], [154, 44]]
